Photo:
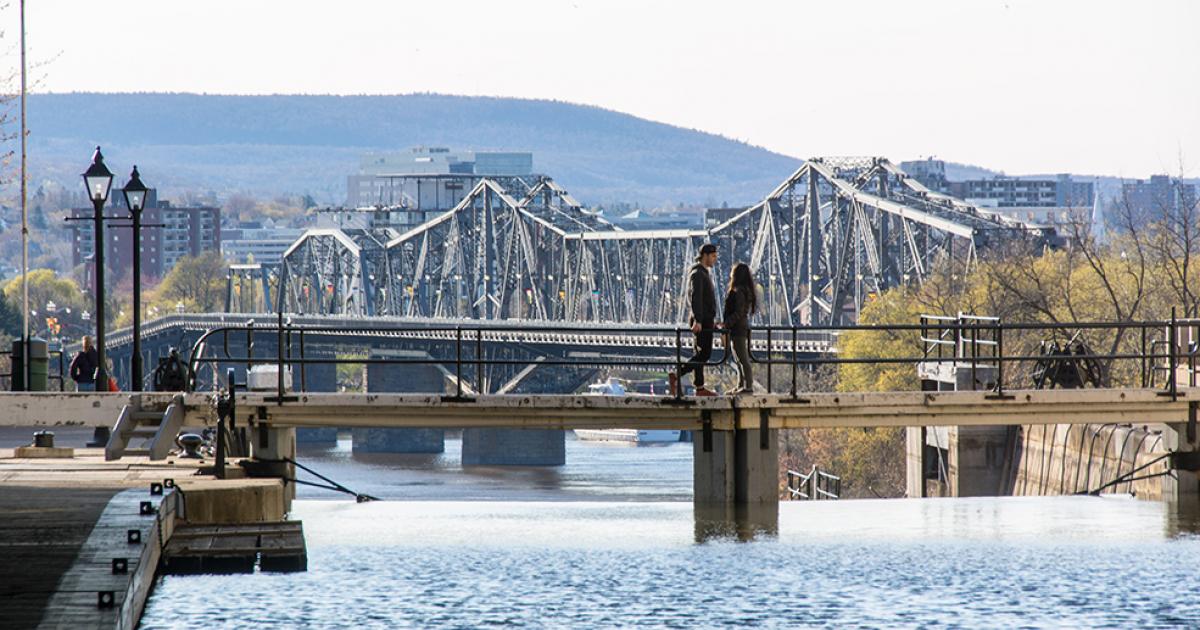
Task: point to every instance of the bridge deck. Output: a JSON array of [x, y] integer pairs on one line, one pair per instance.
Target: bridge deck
[[1087, 406], [874, 409]]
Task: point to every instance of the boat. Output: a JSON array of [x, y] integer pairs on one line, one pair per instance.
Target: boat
[[613, 387]]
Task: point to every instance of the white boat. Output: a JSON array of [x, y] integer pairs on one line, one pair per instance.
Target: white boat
[[613, 387]]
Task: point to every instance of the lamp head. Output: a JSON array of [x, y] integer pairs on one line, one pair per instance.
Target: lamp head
[[98, 178]]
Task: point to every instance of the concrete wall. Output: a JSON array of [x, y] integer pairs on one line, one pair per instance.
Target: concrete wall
[[1064, 459]]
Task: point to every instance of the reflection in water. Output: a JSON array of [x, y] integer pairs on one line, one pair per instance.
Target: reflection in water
[[1182, 520], [744, 523]]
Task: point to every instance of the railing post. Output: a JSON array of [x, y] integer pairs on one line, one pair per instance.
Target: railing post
[[1145, 382], [1173, 359], [678, 365], [999, 358], [479, 361], [458, 359], [303, 374], [795, 366], [769, 361], [279, 344]]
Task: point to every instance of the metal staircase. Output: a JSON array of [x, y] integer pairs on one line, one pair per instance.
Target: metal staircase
[[145, 431]]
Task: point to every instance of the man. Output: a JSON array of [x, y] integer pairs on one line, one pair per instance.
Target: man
[[703, 300], [83, 366]]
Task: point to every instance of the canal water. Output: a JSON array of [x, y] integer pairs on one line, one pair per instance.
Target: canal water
[[611, 539]]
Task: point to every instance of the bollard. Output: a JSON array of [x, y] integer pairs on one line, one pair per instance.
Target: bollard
[[43, 439]]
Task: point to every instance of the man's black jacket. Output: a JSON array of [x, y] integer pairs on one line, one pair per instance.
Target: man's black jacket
[[701, 296]]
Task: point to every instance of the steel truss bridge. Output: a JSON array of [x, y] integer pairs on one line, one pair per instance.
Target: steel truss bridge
[[835, 232]]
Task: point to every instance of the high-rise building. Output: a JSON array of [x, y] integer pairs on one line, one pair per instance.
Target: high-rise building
[[168, 234]]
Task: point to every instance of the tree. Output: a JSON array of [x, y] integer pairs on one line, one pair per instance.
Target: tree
[[197, 282]]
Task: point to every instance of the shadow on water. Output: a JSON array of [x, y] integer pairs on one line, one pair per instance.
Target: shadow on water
[[539, 477], [400, 461], [743, 523]]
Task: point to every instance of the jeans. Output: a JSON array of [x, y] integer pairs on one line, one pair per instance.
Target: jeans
[[741, 351], [703, 350]]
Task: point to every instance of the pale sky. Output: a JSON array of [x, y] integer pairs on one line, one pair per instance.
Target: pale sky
[[1027, 87]]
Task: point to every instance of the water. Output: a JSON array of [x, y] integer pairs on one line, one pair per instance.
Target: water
[[612, 540]]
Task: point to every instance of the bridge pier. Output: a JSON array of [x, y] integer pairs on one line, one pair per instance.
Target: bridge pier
[[401, 378], [318, 377], [514, 447], [957, 461], [270, 443], [524, 447], [1181, 492], [736, 468]]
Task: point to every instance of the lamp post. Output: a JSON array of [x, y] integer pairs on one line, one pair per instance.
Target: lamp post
[[98, 180], [135, 199]]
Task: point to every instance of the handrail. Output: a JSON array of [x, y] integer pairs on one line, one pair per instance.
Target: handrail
[[815, 485], [770, 346]]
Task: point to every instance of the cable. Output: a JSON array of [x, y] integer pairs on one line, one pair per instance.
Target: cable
[[333, 485], [1129, 476]]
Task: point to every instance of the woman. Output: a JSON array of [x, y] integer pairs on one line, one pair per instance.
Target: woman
[[740, 303]]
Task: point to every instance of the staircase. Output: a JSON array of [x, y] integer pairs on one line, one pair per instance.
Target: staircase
[[146, 431]]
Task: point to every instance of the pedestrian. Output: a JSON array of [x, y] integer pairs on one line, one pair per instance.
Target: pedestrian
[[83, 366], [702, 299], [740, 303]]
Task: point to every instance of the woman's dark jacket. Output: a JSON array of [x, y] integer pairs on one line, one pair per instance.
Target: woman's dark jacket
[[737, 313]]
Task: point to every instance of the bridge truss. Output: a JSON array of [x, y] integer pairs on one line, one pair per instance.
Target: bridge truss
[[835, 232]]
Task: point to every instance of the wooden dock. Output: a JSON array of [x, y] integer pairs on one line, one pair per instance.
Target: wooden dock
[[236, 548]]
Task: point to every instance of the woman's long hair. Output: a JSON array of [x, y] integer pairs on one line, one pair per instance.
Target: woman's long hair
[[740, 279]]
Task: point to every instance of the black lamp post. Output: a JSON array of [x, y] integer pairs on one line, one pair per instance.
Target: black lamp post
[[135, 198], [98, 181]]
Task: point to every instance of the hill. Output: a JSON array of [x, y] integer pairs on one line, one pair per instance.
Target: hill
[[309, 144]]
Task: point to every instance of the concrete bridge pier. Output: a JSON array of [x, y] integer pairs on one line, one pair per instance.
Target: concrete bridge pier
[[736, 468], [958, 461], [318, 377], [410, 378], [1181, 492], [270, 443], [514, 447], [524, 447]]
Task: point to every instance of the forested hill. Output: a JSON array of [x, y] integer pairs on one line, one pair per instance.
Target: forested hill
[[309, 144]]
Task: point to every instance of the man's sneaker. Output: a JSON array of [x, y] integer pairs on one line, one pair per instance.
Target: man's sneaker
[[673, 384], [704, 391]]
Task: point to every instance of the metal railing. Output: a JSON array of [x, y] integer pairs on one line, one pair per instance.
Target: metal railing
[[815, 485], [1148, 350]]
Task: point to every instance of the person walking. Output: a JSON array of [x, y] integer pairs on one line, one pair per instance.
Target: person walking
[[83, 366], [740, 303], [703, 301]]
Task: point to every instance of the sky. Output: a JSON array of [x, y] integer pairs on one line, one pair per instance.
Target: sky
[[1096, 87]]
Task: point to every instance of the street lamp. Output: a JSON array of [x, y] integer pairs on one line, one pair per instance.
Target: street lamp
[[98, 180], [135, 199]]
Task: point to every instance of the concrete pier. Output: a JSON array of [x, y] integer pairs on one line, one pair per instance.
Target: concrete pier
[[318, 377], [411, 378], [514, 447], [738, 469], [958, 461]]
